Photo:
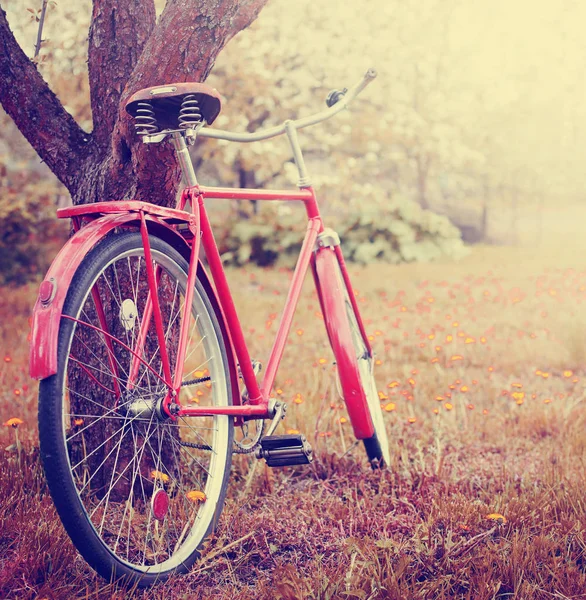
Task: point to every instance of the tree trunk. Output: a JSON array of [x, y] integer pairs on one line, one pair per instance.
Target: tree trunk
[[422, 170]]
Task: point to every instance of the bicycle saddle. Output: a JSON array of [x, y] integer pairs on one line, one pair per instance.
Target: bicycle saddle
[[174, 106]]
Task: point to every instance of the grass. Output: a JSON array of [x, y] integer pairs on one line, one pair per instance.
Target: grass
[[481, 377]]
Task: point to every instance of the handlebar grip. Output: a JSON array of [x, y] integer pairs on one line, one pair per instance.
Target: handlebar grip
[[335, 96]]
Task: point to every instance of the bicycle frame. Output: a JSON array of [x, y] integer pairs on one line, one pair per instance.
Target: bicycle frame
[[258, 404], [258, 396], [106, 216]]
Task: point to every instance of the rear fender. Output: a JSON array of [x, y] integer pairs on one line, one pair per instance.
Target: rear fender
[[48, 308]]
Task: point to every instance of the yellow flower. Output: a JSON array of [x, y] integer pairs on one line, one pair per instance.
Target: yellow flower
[[500, 519], [14, 422], [196, 496], [161, 476], [519, 397]]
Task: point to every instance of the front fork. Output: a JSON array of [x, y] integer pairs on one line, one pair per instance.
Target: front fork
[[330, 239]]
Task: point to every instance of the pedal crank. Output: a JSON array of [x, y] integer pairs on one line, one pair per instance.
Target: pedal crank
[[285, 450]]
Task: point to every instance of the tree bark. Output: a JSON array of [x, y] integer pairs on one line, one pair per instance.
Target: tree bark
[[127, 51]]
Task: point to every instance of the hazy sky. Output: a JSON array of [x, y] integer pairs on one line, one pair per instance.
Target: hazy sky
[[530, 59]]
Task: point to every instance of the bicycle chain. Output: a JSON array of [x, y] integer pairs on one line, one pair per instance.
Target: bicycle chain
[[235, 450], [195, 381]]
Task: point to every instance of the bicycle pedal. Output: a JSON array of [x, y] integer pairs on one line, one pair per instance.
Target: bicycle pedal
[[285, 450]]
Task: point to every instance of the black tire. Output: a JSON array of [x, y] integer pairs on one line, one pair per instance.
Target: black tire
[[106, 499]]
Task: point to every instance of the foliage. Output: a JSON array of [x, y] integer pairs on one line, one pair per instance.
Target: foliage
[[399, 231], [29, 233]]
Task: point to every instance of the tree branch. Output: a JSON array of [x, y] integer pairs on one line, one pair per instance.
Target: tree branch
[[187, 39], [37, 112], [117, 36]]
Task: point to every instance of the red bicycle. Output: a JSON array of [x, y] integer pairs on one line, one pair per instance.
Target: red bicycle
[[141, 359]]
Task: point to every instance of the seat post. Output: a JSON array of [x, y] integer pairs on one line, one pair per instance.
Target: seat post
[[184, 159]]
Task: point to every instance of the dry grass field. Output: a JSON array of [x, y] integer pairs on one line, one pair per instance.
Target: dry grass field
[[481, 373]]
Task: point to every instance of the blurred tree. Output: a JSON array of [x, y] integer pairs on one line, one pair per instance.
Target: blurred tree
[[129, 48]]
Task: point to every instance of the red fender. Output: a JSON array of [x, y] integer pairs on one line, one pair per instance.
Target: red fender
[[331, 294], [47, 312]]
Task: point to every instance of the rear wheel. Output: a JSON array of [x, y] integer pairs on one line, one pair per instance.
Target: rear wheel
[[137, 492]]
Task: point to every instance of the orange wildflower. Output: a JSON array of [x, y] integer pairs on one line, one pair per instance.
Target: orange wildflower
[[160, 476], [500, 519], [196, 496]]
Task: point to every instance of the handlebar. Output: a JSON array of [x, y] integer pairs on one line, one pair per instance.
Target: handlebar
[[264, 134]]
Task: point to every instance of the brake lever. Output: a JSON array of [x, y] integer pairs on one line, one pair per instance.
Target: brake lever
[[335, 96]]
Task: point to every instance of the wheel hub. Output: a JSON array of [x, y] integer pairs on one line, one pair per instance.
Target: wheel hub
[[143, 408]]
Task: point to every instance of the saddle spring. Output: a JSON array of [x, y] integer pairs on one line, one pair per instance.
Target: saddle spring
[[190, 113], [145, 122]]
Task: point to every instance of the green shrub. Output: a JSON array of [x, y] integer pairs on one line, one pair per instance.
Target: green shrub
[[401, 232]]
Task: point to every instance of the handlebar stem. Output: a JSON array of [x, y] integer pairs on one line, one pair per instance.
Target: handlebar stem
[[291, 131]]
